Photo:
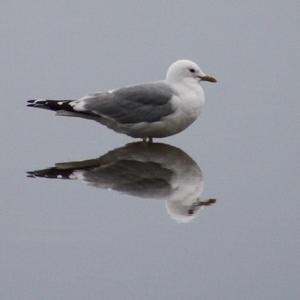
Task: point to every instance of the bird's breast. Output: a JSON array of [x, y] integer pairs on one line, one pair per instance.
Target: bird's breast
[[190, 101]]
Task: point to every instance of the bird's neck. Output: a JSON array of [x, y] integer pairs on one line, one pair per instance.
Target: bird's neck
[[188, 85]]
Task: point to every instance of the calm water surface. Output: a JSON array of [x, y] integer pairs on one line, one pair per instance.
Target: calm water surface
[[211, 213]]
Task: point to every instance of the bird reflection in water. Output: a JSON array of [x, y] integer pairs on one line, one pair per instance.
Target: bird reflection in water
[[158, 171]]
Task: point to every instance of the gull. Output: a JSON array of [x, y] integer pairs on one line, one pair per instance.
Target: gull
[[147, 110], [144, 170]]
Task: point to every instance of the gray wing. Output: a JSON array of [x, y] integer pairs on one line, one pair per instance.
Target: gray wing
[[148, 102]]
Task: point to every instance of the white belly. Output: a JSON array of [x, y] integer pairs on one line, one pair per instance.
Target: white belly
[[186, 112]]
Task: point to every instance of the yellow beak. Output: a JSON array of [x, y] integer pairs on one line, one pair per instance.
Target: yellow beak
[[208, 78]]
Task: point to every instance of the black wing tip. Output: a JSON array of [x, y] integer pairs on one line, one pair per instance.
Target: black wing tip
[[51, 104], [34, 102], [31, 102], [30, 174], [51, 173]]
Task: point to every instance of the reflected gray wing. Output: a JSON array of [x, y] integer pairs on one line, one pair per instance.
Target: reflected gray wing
[[144, 179], [148, 102], [122, 170]]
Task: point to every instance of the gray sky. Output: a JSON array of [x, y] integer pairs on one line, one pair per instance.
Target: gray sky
[[64, 240]]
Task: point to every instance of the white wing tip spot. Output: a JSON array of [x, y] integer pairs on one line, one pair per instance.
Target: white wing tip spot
[[38, 100]]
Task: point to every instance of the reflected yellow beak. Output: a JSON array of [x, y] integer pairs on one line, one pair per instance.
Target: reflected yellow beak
[[208, 78]]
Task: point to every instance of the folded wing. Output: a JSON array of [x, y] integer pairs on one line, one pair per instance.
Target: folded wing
[[148, 102]]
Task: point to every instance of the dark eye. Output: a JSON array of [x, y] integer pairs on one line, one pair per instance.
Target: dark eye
[[192, 70]]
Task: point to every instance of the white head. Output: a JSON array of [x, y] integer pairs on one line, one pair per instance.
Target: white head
[[186, 69]]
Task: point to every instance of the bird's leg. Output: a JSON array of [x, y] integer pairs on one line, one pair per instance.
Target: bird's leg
[[148, 140]]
